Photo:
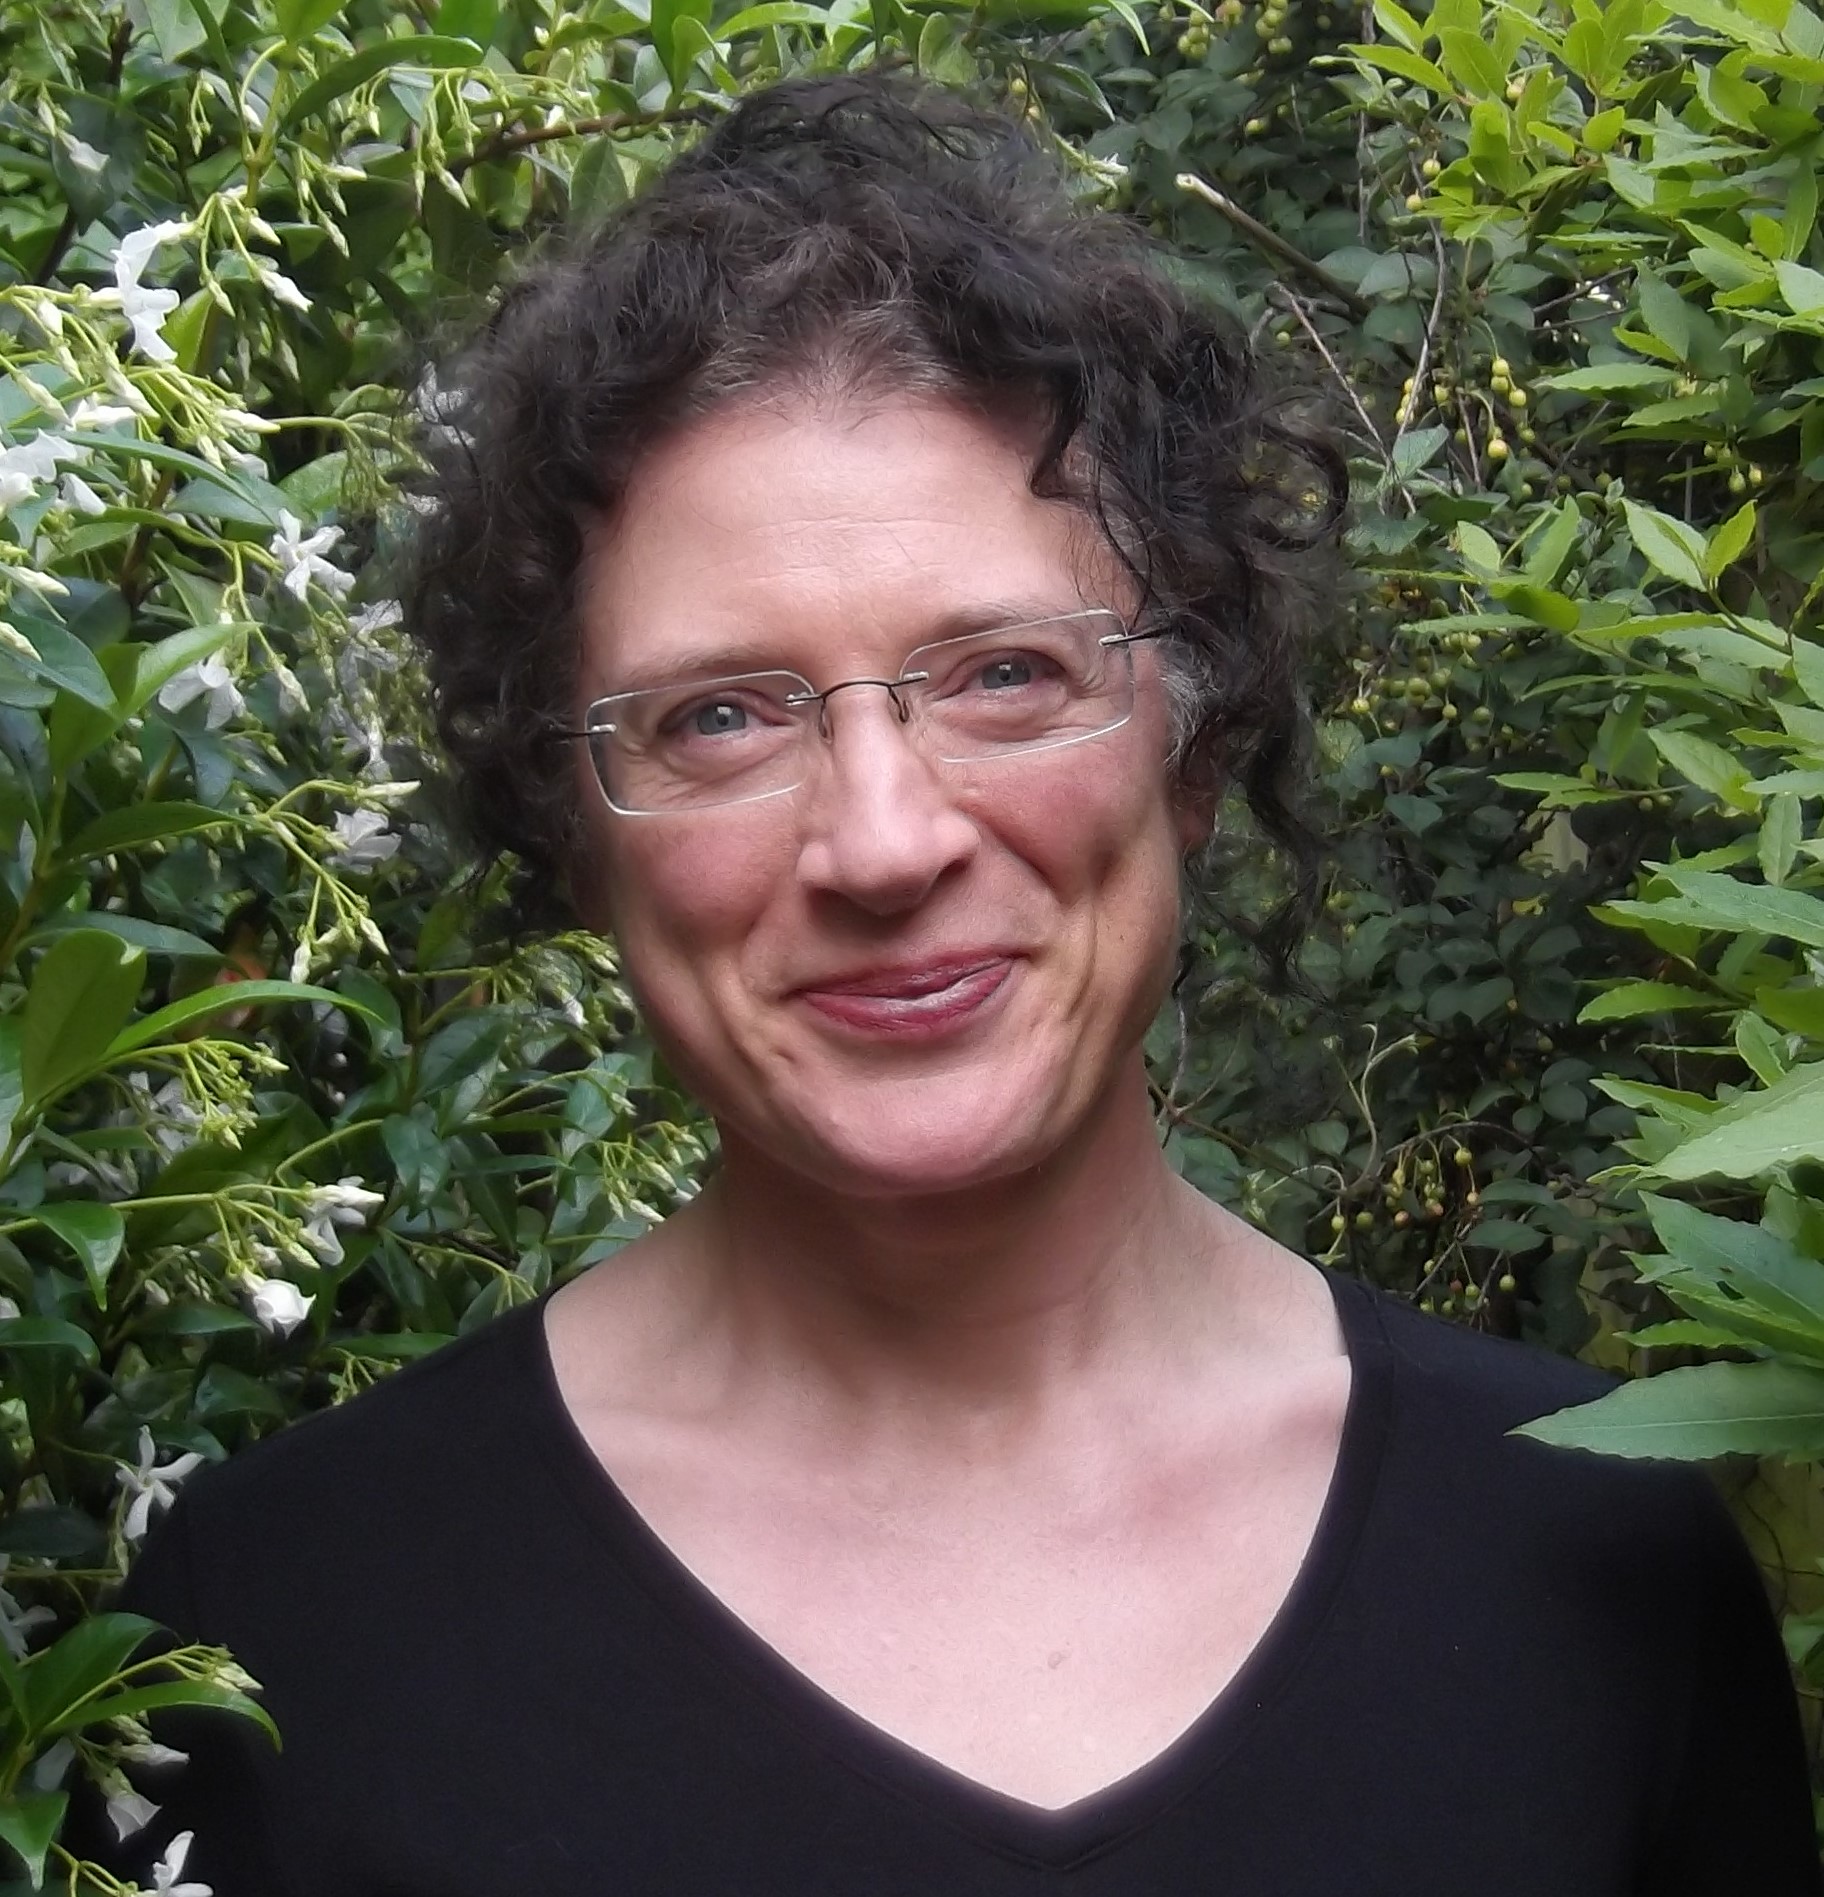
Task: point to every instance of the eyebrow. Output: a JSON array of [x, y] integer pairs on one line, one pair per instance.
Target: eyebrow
[[742, 657]]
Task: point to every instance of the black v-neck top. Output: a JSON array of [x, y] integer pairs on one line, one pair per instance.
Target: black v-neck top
[[1504, 1670]]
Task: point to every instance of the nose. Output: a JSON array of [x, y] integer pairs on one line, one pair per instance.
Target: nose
[[880, 828]]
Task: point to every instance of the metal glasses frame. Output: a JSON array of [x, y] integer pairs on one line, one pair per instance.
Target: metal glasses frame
[[891, 686]]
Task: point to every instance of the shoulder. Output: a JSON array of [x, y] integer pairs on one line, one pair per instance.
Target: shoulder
[[375, 1462], [1499, 1379], [1451, 1400]]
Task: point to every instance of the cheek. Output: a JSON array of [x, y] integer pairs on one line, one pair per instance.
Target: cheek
[[679, 898]]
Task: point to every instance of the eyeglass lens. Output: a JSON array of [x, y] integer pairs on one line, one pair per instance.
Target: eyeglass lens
[[984, 696]]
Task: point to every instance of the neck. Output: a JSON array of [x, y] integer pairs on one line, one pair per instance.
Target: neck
[[981, 1300]]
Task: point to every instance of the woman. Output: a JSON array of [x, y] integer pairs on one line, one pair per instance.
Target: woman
[[852, 579]]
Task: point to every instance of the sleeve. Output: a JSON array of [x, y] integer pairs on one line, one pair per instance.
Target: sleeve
[[1737, 1814], [215, 1791]]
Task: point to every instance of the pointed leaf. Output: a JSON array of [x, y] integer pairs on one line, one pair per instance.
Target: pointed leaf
[[217, 1000], [1749, 1136], [29, 1822], [1713, 1409], [1668, 546], [83, 988], [94, 1232], [1632, 998]]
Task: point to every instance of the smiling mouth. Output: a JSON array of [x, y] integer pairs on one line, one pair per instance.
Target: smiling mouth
[[912, 1003]]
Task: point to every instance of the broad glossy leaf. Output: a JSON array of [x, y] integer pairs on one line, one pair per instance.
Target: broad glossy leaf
[[1774, 1127], [1631, 998], [29, 1822], [430, 51], [1690, 1415], [94, 1232], [82, 989], [216, 1000]]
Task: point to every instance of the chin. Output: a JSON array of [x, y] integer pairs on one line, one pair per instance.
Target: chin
[[918, 1137]]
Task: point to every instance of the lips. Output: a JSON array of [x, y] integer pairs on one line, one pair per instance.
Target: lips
[[912, 1000]]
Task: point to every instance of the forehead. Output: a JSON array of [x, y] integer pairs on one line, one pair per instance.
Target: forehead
[[806, 532]]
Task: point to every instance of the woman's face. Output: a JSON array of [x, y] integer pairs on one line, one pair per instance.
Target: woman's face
[[904, 976]]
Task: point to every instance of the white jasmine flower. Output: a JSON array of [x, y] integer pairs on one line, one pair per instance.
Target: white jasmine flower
[[210, 676], [347, 1202], [145, 309], [16, 1622], [170, 1868], [89, 413], [362, 839], [46, 583], [371, 619], [279, 286], [84, 157], [243, 418], [150, 1752], [49, 1768], [25, 466], [301, 557], [152, 1483], [48, 317], [278, 1303], [13, 640], [78, 494], [291, 694], [45, 402], [129, 1811]]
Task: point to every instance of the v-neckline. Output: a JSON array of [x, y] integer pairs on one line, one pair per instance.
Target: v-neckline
[[1035, 1834]]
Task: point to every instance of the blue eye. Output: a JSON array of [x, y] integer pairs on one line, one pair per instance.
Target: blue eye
[[1002, 674], [716, 718]]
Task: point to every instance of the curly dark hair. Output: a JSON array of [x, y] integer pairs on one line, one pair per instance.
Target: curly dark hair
[[868, 230]]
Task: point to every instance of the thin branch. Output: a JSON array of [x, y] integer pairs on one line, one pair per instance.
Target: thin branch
[[1279, 294], [1272, 243], [1407, 412], [609, 124]]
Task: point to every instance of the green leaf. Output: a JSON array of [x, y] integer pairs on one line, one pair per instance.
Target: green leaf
[[12, 1080], [48, 1333], [1664, 311], [1631, 998], [1763, 1050], [156, 938], [1757, 1132], [1469, 58], [1715, 901], [127, 826], [1405, 65], [177, 27], [1609, 378], [1729, 542], [428, 51], [64, 661], [1779, 840], [1503, 1235], [216, 1000], [80, 1665], [1706, 765], [1713, 1409], [29, 1822], [467, 20], [83, 988], [1416, 447], [1668, 546], [301, 20], [94, 1232], [1802, 287]]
